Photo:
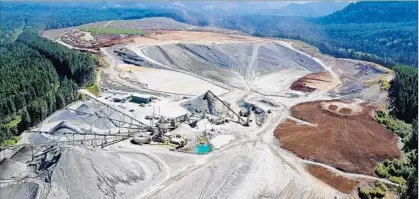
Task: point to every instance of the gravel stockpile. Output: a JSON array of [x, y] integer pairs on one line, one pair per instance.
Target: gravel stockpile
[[22, 190], [177, 57], [224, 62], [10, 168], [274, 57], [206, 103], [86, 173]]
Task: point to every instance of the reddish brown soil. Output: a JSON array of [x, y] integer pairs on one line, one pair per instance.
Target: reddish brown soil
[[338, 182], [351, 143], [299, 85], [311, 82], [333, 107], [345, 111]]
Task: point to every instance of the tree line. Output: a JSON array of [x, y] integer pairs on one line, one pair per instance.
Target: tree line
[[381, 32], [17, 16], [75, 65], [403, 110], [37, 77]]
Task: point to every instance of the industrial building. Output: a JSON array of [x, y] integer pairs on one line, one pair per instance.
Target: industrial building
[[136, 98]]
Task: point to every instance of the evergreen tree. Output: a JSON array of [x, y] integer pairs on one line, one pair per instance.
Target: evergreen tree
[[26, 119]]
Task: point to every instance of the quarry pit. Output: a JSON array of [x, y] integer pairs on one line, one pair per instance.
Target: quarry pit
[[260, 104]]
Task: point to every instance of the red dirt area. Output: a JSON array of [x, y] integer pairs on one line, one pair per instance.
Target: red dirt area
[[340, 183], [299, 85], [312, 82], [352, 143], [333, 107], [345, 111]]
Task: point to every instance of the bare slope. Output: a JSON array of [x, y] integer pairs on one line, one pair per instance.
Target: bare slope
[[226, 62], [85, 173], [353, 142]]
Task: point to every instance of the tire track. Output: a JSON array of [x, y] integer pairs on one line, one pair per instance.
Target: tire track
[[208, 182], [219, 185]]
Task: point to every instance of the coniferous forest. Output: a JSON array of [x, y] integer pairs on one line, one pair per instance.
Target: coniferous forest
[[38, 77]]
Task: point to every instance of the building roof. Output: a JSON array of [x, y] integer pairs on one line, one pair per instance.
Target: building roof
[[141, 95]]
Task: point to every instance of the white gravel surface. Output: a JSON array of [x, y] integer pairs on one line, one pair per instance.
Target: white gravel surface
[[249, 162], [221, 140]]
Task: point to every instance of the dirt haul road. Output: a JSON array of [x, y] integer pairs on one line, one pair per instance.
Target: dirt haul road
[[248, 168], [254, 70], [238, 166]]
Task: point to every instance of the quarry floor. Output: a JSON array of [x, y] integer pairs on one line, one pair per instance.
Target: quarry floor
[[252, 165]]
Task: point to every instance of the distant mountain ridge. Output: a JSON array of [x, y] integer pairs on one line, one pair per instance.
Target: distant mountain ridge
[[375, 12], [311, 9]]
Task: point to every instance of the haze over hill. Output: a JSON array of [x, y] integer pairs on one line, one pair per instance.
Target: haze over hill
[[310, 9], [374, 12]]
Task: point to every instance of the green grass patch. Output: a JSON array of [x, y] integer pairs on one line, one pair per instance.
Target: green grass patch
[[94, 87], [381, 171], [397, 179], [12, 141], [396, 126], [14, 122], [113, 31], [378, 191], [384, 85]]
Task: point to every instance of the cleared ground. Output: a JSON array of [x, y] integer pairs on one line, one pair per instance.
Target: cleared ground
[[249, 162], [340, 183], [168, 81], [352, 142], [314, 81]]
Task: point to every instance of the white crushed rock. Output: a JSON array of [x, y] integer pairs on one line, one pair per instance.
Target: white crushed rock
[[87, 173], [221, 140], [12, 169]]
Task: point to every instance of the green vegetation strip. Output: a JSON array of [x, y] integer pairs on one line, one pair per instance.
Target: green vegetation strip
[[112, 31], [14, 122], [10, 142], [379, 191], [94, 87]]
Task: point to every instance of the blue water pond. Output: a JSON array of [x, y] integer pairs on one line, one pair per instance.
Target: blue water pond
[[203, 149]]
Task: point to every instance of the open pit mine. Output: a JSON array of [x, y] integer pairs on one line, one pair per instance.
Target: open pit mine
[[199, 112]]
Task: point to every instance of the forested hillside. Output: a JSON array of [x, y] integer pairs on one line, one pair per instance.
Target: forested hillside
[[374, 12], [404, 93], [403, 108], [16, 16], [381, 32], [70, 63], [37, 77], [310, 9]]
